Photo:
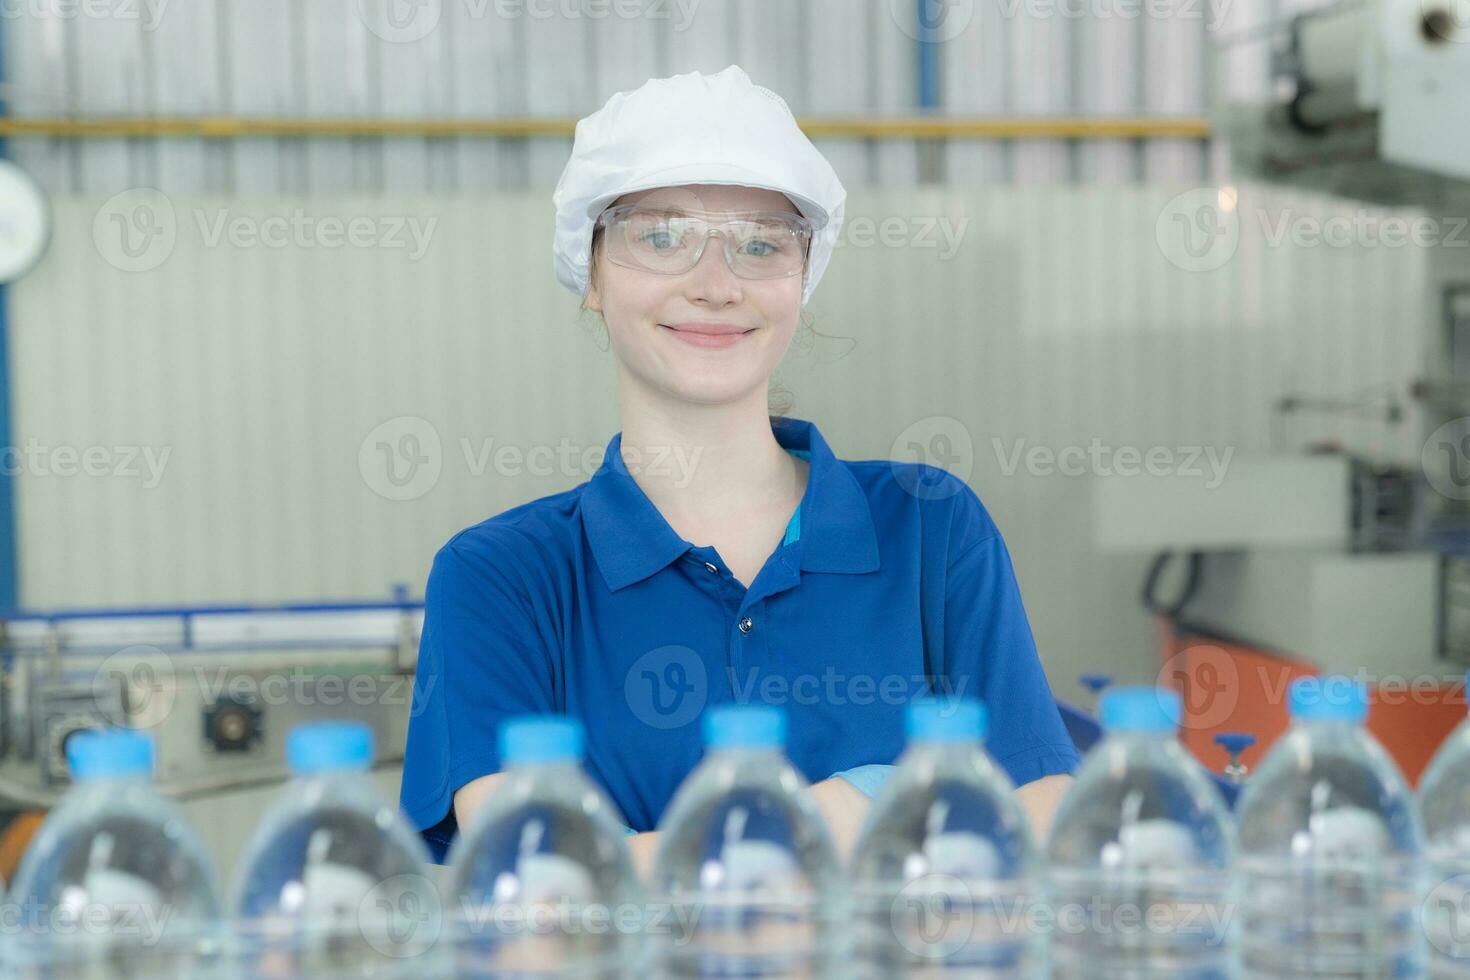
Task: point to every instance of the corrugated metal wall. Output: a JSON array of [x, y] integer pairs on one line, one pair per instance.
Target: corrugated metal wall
[[267, 374], [487, 58]]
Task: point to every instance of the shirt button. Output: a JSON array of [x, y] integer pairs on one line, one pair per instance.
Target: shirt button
[[746, 624], [711, 566]]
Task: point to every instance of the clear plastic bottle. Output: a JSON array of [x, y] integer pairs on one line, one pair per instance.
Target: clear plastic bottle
[[945, 872], [115, 884], [1140, 853], [1444, 810], [333, 882], [541, 882], [746, 881], [1330, 847]]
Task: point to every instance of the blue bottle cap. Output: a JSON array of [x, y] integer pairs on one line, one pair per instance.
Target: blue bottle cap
[[109, 752], [329, 746], [1331, 697], [941, 719], [1140, 708], [744, 726], [540, 738]]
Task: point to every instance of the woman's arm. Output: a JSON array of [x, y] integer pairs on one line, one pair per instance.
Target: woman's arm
[[472, 795], [1039, 798]]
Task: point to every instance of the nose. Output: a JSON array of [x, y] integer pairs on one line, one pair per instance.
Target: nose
[[712, 281]]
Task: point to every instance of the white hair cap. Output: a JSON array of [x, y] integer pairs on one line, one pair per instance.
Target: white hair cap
[[692, 129]]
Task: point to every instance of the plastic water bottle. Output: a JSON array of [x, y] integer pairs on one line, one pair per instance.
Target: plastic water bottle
[[333, 881], [115, 884], [746, 880], [1140, 853], [542, 884], [1329, 847], [945, 872], [1444, 809]]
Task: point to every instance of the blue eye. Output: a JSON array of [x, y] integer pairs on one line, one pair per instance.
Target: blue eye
[[762, 248], [660, 238]]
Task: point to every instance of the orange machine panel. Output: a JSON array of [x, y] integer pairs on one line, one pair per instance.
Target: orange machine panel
[[1228, 687]]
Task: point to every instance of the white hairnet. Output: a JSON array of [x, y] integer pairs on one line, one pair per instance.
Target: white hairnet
[[692, 129]]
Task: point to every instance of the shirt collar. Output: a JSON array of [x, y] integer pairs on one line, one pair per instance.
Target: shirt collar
[[631, 540]]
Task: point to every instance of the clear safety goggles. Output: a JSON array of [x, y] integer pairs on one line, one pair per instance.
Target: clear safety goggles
[[670, 241]]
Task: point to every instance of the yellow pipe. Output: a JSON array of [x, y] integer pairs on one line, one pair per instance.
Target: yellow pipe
[[935, 128]]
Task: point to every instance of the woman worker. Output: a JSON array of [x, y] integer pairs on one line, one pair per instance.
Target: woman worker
[[719, 553]]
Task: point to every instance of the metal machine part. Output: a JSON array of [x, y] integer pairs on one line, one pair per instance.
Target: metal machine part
[[233, 724], [219, 687], [62, 709], [1361, 98]]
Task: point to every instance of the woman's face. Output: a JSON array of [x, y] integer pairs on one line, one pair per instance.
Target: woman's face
[[644, 310]]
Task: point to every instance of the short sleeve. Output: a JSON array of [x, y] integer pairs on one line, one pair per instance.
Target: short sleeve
[[989, 653], [483, 657], [868, 779]]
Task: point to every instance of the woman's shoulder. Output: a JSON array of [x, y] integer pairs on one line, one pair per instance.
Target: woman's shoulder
[[533, 535], [939, 499]]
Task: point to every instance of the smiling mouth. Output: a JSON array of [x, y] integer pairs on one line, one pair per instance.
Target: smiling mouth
[[708, 340]]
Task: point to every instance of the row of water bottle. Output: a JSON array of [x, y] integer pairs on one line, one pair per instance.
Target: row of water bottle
[[1329, 868]]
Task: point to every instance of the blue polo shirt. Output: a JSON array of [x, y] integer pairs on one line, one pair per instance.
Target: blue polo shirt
[[891, 581]]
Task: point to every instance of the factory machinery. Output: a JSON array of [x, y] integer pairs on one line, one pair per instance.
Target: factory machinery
[[220, 686]]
